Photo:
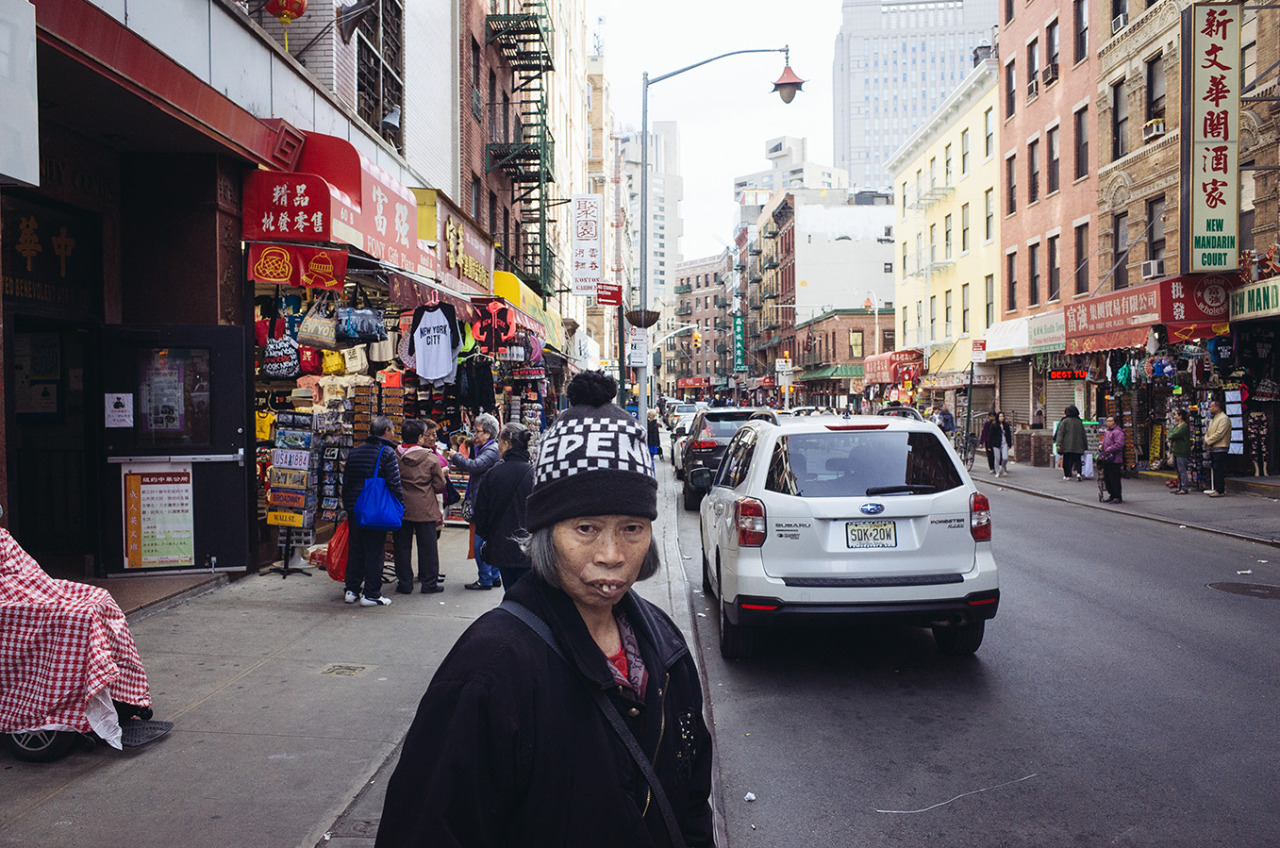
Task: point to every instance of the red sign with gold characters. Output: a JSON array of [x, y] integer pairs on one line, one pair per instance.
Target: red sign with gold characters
[[296, 265], [1210, 132], [1189, 307], [285, 207]]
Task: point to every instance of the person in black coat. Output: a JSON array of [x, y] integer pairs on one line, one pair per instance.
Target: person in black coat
[[500, 507], [375, 457], [654, 434], [513, 744]]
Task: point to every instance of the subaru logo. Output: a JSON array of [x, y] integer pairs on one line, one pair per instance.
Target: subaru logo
[[872, 509]]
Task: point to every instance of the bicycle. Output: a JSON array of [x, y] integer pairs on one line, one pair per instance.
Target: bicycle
[[966, 445]]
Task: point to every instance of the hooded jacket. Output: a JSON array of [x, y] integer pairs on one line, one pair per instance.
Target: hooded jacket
[[1070, 436], [501, 509], [509, 748], [422, 479]]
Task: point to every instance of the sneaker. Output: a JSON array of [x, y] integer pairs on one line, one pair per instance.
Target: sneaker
[[379, 601], [350, 597]]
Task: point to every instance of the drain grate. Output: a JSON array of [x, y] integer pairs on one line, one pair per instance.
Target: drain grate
[[1253, 590], [344, 670]]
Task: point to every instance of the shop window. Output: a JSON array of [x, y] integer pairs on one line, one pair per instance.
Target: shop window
[[173, 397]]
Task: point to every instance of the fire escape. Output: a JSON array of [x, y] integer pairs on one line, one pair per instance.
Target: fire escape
[[521, 29]]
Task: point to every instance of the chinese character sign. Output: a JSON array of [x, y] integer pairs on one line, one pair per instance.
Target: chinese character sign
[[1210, 132], [587, 247]]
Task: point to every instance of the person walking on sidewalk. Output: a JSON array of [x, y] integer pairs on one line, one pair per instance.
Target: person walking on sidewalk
[[1071, 443], [485, 456], [1180, 448], [989, 439], [541, 724], [500, 505], [1111, 456], [1217, 441], [946, 421], [655, 439], [375, 457], [422, 479]]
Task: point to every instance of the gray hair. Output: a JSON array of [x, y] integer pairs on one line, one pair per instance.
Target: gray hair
[[542, 552], [380, 425], [485, 421]]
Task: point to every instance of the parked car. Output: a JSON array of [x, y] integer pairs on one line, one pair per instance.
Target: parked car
[[709, 434], [902, 412], [676, 409], [827, 520], [679, 435], [773, 416]]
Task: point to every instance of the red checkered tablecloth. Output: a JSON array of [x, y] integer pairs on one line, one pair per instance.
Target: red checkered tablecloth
[[60, 642]]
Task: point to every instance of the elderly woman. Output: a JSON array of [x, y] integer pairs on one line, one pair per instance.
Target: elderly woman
[[484, 456], [541, 723]]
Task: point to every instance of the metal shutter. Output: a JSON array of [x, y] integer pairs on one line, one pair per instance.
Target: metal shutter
[[1058, 395], [1015, 392]]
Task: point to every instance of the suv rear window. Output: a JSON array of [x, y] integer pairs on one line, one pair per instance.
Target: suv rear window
[[722, 425], [856, 464]]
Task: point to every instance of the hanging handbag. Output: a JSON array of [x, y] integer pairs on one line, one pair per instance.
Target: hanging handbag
[[280, 360], [355, 360], [451, 495], [360, 323], [319, 327], [377, 507], [385, 350]]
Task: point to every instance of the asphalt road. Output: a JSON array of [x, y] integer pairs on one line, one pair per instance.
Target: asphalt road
[[1116, 700]]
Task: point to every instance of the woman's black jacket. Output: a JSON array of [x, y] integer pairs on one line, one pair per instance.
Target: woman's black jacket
[[500, 508], [510, 749]]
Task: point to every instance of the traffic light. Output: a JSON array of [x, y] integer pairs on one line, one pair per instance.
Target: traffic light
[[697, 340]]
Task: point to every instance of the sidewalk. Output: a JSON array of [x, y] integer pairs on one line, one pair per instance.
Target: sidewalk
[[289, 708], [1251, 510]]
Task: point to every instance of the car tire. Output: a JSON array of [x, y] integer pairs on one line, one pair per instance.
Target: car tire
[[959, 639], [691, 498], [736, 641], [41, 746], [706, 573], [679, 473]]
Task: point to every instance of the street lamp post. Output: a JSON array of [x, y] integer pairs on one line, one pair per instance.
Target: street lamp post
[[786, 86]]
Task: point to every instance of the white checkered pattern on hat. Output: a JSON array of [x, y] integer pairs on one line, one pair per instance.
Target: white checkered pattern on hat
[[628, 450]]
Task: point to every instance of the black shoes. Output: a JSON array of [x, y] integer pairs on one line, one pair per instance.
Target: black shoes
[[479, 585], [431, 588], [1113, 500], [404, 590]]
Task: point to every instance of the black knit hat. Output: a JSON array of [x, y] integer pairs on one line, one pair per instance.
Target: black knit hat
[[594, 460]]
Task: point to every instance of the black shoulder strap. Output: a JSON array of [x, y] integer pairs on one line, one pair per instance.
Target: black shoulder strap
[[537, 625]]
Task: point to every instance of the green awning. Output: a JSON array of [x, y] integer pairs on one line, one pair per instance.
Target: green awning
[[832, 372]]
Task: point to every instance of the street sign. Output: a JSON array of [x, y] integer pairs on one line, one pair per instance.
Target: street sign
[[638, 347], [979, 351]]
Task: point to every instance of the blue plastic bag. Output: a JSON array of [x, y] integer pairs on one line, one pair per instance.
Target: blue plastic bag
[[377, 508]]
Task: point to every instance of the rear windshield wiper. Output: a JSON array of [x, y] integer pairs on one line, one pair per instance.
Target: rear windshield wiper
[[902, 489]]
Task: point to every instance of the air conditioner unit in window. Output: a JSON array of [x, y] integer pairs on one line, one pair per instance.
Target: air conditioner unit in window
[[1152, 268], [1033, 88], [1119, 22], [1050, 73], [1153, 128]]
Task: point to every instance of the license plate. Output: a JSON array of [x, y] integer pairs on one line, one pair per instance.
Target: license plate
[[871, 534]]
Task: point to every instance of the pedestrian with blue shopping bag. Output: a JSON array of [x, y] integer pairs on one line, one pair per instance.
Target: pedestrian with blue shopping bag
[[371, 492]]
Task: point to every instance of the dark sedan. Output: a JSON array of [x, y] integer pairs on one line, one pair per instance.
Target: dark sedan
[[709, 435]]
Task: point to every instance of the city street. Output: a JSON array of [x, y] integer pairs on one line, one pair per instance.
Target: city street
[[1116, 700]]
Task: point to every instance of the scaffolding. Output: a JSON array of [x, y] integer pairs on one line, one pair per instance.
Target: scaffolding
[[521, 30]]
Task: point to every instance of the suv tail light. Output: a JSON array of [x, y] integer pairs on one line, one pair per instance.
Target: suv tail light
[[979, 517], [748, 515], [702, 444]]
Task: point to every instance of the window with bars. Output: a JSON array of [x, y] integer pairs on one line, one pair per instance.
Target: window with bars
[[380, 70]]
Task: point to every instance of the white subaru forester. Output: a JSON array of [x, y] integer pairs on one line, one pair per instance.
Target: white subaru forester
[[828, 520]]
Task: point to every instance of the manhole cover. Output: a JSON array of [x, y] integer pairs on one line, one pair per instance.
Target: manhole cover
[[344, 670], [1253, 590]]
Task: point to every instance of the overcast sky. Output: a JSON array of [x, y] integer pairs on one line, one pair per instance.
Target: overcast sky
[[724, 110]]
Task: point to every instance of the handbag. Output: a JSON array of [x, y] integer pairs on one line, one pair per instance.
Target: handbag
[[451, 495], [385, 350], [468, 510], [280, 360], [319, 327], [354, 360], [377, 508], [360, 323], [531, 620]]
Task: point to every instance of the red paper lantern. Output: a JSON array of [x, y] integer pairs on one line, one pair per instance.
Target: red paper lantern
[[286, 11]]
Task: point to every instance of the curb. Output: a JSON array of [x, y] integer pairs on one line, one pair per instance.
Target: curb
[[1217, 531]]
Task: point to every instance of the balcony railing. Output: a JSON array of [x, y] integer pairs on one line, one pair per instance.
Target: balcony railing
[[683, 289], [722, 302], [771, 263], [684, 310]]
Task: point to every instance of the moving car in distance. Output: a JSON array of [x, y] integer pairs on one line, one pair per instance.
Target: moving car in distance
[[679, 435], [836, 521], [675, 410]]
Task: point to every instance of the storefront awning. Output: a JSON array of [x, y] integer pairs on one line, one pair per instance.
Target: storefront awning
[[832, 372], [1189, 306], [887, 367], [336, 195], [1007, 339]]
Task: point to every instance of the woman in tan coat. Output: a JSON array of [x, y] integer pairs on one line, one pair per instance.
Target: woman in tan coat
[[423, 480]]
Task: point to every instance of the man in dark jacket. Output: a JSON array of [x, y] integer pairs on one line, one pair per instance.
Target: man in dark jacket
[[512, 744], [484, 456], [375, 457], [500, 504]]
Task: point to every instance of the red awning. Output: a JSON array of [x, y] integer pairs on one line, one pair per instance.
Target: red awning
[[1192, 304], [1130, 337]]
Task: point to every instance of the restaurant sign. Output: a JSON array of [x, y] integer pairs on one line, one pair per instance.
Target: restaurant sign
[[1260, 300], [1211, 81]]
